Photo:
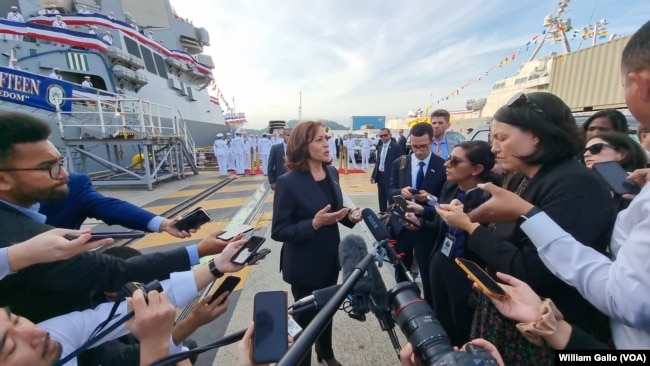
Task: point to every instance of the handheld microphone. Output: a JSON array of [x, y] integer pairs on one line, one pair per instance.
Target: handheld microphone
[[380, 233], [315, 301]]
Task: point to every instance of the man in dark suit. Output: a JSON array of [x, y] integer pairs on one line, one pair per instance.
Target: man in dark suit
[[424, 172], [401, 140], [277, 167], [32, 171], [83, 201], [339, 143], [387, 152]]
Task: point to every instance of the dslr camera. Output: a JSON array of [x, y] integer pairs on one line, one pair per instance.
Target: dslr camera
[[430, 342]]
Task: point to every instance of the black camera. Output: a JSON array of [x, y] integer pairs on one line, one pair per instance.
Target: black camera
[[423, 330], [129, 288]]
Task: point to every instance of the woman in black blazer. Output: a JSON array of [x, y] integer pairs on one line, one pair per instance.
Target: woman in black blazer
[[307, 208]]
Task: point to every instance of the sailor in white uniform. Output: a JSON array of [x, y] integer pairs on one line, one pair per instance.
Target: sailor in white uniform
[[248, 143], [221, 153], [264, 148], [256, 153], [349, 144], [365, 151], [231, 153], [238, 150], [15, 16], [56, 74], [108, 38], [59, 23], [52, 10], [332, 145]]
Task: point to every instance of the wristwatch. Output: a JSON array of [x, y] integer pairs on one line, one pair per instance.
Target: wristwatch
[[213, 269], [533, 211]]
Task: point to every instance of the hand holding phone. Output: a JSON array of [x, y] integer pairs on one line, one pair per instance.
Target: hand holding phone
[[231, 233], [270, 341], [486, 283], [616, 177], [475, 197], [246, 253], [193, 220], [414, 191], [228, 284], [401, 202]]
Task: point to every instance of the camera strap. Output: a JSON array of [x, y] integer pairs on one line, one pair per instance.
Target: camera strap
[[94, 339]]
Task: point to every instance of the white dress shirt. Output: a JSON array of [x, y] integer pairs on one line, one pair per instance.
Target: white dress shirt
[[74, 329], [620, 286]]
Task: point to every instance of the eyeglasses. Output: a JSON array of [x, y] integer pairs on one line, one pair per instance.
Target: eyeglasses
[[384, 135], [454, 161], [595, 149], [420, 147], [521, 99], [53, 169]]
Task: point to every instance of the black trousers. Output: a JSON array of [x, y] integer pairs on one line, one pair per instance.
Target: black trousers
[[323, 344], [382, 192]]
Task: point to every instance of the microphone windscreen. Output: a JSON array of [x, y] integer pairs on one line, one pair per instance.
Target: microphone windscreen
[[378, 230], [351, 251]]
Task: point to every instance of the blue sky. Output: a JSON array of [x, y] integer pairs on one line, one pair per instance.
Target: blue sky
[[369, 57]]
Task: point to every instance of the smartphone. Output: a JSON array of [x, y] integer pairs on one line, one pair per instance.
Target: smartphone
[[270, 335], [115, 235], [247, 252], [228, 284], [259, 255], [414, 191], [231, 233], [193, 220], [401, 202], [401, 216], [475, 197], [486, 283], [616, 177]]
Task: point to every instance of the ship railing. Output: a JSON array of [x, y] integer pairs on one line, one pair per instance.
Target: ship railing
[[107, 115]]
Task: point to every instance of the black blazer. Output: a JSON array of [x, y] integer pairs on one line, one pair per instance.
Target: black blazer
[[308, 256], [434, 179], [402, 143], [581, 204], [394, 152], [276, 166], [46, 290]]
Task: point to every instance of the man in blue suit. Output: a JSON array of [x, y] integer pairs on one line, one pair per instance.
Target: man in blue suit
[[425, 172], [83, 201], [387, 152], [276, 165]]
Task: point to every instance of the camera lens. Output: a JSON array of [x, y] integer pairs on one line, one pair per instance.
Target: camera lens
[[419, 323]]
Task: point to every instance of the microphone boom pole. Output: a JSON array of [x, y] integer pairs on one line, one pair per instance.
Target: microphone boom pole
[[315, 328]]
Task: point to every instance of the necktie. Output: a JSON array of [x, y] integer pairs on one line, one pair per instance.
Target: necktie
[[420, 176], [384, 150], [438, 148]]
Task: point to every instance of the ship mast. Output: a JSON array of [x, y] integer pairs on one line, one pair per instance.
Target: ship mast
[[556, 26]]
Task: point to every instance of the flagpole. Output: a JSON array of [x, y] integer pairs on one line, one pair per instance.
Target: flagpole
[[300, 108]]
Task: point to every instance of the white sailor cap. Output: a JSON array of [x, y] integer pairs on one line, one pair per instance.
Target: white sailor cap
[[14, 7], [220, 135], [228, 133]]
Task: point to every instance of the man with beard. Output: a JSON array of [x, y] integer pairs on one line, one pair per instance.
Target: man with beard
[[32, 170], [24, 343]]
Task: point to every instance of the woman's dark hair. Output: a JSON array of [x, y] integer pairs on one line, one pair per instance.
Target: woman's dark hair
[[634, 158], [551, 121], [480, 152], [618, 120], [298, 145]]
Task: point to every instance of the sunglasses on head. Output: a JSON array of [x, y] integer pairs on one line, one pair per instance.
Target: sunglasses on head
[[595, 149], [521, 99]]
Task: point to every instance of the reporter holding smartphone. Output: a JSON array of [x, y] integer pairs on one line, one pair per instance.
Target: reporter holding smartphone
[[307, 208], [468, 164]]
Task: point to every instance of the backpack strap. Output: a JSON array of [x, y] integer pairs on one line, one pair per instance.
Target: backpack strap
[[402, 168]]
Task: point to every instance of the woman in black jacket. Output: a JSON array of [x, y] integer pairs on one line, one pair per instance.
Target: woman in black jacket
[[467, 165], [535, 137], [307, 207]]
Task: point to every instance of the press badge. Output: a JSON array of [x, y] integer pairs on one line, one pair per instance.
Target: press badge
[[448, 244]]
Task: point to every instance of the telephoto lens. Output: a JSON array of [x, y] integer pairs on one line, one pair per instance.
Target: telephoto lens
[[418, 323]]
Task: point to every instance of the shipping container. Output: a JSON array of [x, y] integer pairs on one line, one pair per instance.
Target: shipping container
[[368, 122], [590, 79]]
